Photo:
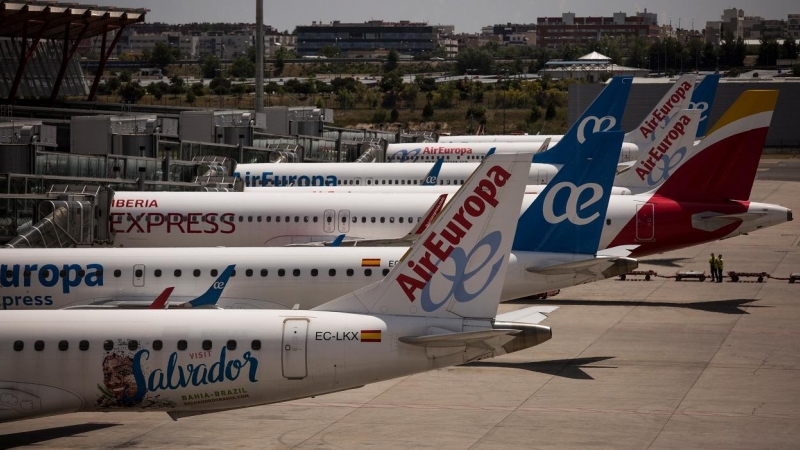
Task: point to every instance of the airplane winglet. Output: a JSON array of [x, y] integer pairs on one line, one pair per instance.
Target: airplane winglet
[[161, 301], [429, 217], [338, 241], [212, 295]]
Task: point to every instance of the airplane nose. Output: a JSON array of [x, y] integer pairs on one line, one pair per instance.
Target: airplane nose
[[789, 215]]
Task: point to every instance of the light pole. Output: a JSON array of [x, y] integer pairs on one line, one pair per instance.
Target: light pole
[[259, 55]]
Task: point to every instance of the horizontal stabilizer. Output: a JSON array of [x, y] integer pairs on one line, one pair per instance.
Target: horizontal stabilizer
[[620, 251], [709, 221], [455, 339], [591, 265], [529, 316]]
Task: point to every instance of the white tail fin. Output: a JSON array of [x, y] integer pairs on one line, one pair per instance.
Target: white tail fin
[[677, 98], [457, 266], [672, 147]]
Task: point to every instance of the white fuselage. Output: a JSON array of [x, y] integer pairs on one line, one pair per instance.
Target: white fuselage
[[264, 277], [243, 219], [391, 189], [198, 361], [464, 152], [361, 174]]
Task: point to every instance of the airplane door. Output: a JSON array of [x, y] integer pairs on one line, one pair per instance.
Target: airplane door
[[645, 222], [295, 334], [328, 220], [138, 275], [344, 221]]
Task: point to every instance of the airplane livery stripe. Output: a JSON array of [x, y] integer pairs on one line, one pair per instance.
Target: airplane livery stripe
[[370, 335]]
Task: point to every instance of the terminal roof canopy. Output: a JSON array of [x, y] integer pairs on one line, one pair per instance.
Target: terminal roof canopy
[[594, 56], [51, 20]]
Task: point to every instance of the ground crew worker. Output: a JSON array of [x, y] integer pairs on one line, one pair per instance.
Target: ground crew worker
[[720, 266], [712, 265]]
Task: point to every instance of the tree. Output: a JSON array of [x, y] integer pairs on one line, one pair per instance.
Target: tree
[[198, 89], [131, 92], [243, 68], [113, 84], [330, 51], [220, 86], [768, 52], [162, 56], [535, 114], [212, 66], [345, 99], [125, 76], [280, 60], [190, 97], [476, 61], [394, 115], [427, 112], [391, 61], [409, 95], [789, 49], [550, 114]]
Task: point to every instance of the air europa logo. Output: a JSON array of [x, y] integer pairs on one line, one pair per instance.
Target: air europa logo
[[405, 155], [441, 246], [447, 151], [270, 179], [663, 111], [571, 208], [599, 124], [702, 106], [657, 152]]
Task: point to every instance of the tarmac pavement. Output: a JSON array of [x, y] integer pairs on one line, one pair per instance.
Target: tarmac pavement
[[632, 364]]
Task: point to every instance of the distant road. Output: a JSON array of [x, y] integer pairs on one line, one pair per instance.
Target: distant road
[[779, 169]]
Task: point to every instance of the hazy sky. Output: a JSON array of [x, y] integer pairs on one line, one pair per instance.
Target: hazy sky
[[466, 15]]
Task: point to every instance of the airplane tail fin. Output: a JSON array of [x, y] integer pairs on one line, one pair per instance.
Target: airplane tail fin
[[457, 266], [604, 114], [568, 215], [703, 99], [726, 161], [433, 176], [673, 146], [676, 99], [161, 301], [212, 295]]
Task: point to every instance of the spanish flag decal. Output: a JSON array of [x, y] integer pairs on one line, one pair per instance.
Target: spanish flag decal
[[370, 335], [370, 262]]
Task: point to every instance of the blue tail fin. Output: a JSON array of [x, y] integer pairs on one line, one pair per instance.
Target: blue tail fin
[[703, 98], [433, 175], [604, 114], [568, 215], [212, 295], [338, 241]]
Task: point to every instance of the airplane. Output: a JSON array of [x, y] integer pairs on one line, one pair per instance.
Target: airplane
[[674, 100], [274, 277], [730, 152], [201, 361], [604, 114]]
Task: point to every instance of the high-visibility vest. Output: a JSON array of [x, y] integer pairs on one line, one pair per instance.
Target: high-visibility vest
[[712, 261], [720, 263]]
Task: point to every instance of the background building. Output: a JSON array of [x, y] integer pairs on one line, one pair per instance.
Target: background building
[[406, 37], [555, 32]]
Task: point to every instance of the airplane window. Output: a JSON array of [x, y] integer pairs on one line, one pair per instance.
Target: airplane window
[[296, 219], [18, 346], [117, 273], [448, 182], [206, 345], [372, 219], [138, 273], [196, 273], [385, 272], [249, 218], [281, 272], [419, 219], [62, 274], [441, 182], [344, 219], [391, 219], [182, 345], [296, 272], [269, 219], [231, 345], [355, 219], [157, 273], [99, 274], [415, 181], [241, 218], [390, 181], [248, 272], [329, 219], [255, 345], [400, 219], [26, 274], [83, 345], [383, 181], [402, 181], [133, 345], [305, 219], [213, 218], [314, 272], [108, 345], [608, 221], [81, 273], [364, 219], [277, 218], [350, 272], [177, 272], [383, 219], [157, 344], [287, 218], [315, 219], [332, 273], [214, 272], [258, 218], [358, 181], [63, 345], [38, 346], [368, 272], [264, 272]]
